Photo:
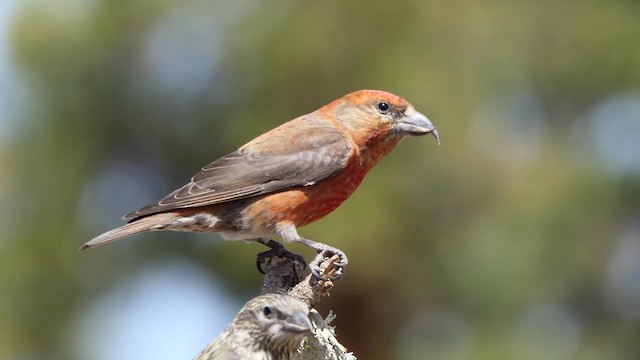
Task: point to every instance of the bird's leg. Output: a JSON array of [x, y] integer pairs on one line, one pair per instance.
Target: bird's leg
[[324, 252], [276, 250], [289, 233]]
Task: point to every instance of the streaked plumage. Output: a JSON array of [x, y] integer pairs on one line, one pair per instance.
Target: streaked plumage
[[269, 327]]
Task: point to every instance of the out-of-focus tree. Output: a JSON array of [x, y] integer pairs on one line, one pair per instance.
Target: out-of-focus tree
[[518, 237]]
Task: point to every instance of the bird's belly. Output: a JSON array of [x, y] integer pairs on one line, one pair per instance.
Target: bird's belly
[[306, 204], [317, 203]]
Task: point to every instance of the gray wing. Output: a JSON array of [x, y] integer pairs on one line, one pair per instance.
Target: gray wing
[[282, 158]]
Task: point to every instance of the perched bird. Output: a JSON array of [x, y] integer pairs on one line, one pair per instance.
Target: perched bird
[[269, 327], [287, 177]]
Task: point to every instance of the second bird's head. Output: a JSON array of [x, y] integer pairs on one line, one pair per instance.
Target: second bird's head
[[376, 109], [279, 322]]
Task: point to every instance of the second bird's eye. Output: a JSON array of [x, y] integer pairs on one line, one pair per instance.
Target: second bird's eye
[[266, 311], [383, 106]]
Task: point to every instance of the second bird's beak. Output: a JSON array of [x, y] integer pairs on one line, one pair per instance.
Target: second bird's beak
[[298, 323], [415, 124]]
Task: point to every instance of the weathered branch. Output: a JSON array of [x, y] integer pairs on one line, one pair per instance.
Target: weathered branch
[[283, 276]]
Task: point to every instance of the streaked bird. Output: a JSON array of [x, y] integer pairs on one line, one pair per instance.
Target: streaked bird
[[269, 327]]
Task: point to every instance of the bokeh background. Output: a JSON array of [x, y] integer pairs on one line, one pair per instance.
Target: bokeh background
[[517, 238]]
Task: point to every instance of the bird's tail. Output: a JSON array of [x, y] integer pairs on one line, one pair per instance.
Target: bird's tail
[[152, 222]]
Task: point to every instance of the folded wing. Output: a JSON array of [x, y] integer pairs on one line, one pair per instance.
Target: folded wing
[[298, 153]]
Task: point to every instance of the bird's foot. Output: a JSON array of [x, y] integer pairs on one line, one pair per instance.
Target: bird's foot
[[276, 250], [325, 254]]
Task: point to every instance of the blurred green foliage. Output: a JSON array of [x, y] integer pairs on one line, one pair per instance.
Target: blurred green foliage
[[477, 249]]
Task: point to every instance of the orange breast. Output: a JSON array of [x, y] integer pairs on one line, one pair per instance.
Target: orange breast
[[304, 205], [307, 204], [318, 201]]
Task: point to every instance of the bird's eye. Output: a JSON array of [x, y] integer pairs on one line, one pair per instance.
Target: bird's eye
[[266, 311], [383, 106]]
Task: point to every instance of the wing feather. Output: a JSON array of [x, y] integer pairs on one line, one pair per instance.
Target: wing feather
[[298, 153]]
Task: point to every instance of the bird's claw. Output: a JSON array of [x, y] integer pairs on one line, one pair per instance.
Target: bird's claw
[[323, 255], [279, 251]]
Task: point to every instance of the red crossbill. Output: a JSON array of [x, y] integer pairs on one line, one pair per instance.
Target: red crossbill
[[287, 177], [269, 327]]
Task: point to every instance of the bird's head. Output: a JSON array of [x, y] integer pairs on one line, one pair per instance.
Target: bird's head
[[280, 322], [382, 110]]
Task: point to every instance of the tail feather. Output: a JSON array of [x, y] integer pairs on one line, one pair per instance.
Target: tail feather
[[152, 222]]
